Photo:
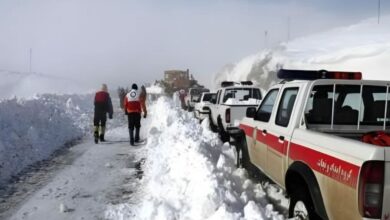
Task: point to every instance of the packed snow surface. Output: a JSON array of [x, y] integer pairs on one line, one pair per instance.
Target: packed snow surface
[[31, 130], [190, 174], [363, 47]]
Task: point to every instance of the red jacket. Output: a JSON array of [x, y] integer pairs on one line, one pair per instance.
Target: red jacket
[[132, 102]]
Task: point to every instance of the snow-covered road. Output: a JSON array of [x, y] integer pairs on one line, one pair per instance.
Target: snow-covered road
[[99, 175], [188, 173]]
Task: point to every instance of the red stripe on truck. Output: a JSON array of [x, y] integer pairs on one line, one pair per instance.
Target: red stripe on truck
[[332, 167], [337, 169], [247, 129]]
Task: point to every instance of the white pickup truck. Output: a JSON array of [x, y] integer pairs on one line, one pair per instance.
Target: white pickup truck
[[202, 106], [230, 105], [193, 97], [317, 135]]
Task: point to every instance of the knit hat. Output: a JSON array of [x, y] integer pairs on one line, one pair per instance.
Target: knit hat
[[104, 87], [134, 86]]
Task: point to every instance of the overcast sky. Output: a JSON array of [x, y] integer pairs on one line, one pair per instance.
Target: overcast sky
[[125, 41]]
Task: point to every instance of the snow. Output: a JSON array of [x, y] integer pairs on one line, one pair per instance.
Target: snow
[[31, 130], [361, 47], [154, 89], [86, 185], [190, 174]]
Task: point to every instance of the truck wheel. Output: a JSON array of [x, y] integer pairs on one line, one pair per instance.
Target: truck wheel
[[213, 128], [222, 133], [301, 205], [243, 157]]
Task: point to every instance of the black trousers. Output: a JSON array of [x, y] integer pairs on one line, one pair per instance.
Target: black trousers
[[134, 122], [100, 118]]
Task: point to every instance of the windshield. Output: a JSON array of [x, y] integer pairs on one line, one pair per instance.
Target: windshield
[[242, 94]]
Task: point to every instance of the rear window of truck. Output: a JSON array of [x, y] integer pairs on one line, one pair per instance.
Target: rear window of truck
[[242, 94], [348, 105]]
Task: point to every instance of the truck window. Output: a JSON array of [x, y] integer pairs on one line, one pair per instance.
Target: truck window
[[265, 109], [374, 104], [319, 106], [351, 106], [286, 106], [207, 97], [242, 94]]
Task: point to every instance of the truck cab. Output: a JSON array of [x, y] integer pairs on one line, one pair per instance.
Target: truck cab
[[307, 136], [202, 106], [230, 105], [193, 97]]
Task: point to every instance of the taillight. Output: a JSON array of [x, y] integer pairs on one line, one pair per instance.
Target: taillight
[[227, 115], [371, 189]]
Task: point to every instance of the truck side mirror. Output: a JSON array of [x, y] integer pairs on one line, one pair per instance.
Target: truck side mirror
[[250, 112]]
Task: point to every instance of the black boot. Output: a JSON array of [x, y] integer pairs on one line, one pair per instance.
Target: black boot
[[101, 137], [131, 132], [136, 139], [96, 136]]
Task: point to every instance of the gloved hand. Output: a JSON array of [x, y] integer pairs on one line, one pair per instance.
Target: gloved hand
[[126, 113], [145, 114], [110, 116]]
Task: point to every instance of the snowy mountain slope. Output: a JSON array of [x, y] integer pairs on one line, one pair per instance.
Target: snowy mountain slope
[[27, 85], [31, 130], [361, 47], [190, 174]]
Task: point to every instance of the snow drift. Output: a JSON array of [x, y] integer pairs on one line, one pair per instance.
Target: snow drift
[[362, 47], [190, 174], [31, 130]]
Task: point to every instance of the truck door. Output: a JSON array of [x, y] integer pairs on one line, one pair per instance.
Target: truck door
[[261, 120], [280, 132]]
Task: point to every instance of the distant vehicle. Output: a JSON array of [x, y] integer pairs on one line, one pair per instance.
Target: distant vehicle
[[193, 97], [202, 108], [230, 105], [323, 137]]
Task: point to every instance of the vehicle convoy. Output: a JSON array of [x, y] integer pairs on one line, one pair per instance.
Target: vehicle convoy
[[202, 106], [230, 105], [193, 96], [322, 136]]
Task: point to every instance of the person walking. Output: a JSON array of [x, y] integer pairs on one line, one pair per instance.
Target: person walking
[[142, 99], [103, 106], [133, 109]]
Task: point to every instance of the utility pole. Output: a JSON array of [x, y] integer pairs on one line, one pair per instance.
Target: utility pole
[[265, 38], [379, 10], [30, 69]]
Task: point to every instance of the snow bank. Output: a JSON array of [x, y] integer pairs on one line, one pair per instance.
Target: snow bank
[[190, 174], [31, 130], [362, 47]]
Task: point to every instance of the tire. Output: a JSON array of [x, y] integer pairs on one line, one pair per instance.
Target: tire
[[244, 160], [213, 127], [301, 205], [222, 133]]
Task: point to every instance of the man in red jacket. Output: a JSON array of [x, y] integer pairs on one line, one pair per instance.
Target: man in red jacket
[[133, 108], [103, 105]]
